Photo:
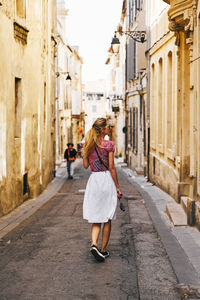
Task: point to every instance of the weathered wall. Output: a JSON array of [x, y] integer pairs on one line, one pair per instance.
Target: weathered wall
[[27, 102]]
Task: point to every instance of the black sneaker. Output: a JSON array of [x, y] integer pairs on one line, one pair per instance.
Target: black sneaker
[[105, 254], [97, 253]]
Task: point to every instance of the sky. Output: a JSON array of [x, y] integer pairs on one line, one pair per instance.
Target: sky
[[91, 25]]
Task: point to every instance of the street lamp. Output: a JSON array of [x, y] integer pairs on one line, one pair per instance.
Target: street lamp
[[115, 44], [138, 36], [68, 78]]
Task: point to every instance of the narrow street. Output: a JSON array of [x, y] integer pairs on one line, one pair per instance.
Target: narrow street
[[47, 256]]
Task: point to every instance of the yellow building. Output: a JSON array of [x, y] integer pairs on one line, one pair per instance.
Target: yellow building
[[116, 87], [75, 67], [136, 81], [69, 87], [164, 169], [27, 100], [174, 98], [184, 22]]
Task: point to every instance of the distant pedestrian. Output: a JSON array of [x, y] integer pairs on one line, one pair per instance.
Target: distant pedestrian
[[100, 200], [70, 156]]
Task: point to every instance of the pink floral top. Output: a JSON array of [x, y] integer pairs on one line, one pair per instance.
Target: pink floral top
[[95, 164]]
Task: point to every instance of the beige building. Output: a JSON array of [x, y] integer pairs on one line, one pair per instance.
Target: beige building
[[184, 23], [115, 89], [27, 100], [136, 82], [164, 169], [69, 87], [175, 104], [76, 90], [95, 104]]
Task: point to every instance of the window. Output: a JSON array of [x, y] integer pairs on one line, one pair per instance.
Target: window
[[160, 100], [169, 101], [35, 133], [135, 130], [18, 107], [94, 108], [131, 126], [153, 107], [134, 59], [131, 60], [45, 102], [21, 8]]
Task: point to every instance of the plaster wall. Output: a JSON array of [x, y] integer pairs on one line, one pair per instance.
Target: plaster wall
[[31, 66], [164, 103]]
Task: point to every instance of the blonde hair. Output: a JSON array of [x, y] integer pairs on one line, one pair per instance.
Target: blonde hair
[[93, 136]]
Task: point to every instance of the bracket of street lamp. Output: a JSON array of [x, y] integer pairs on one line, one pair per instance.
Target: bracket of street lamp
[[138, 36]]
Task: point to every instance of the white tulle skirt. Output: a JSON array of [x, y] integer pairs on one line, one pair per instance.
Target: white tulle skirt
[[100, 200]]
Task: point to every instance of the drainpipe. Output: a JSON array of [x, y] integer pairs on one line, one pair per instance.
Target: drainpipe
[[148, 100], [126, 114], [57, 92]]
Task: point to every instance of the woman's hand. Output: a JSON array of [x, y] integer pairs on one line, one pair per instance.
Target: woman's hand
[[119, 193]]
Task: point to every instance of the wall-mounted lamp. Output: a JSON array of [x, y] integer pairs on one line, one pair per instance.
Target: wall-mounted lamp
[[115, 44], [138, 36], [68, 78]]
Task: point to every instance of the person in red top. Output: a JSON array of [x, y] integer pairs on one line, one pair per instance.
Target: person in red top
[[102, 189], [70, 156]]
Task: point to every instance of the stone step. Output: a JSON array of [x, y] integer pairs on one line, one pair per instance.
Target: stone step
[[139, 171], [176, 214], [184, 203]]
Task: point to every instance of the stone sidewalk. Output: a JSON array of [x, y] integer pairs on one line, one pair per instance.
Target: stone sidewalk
[[182, 243]]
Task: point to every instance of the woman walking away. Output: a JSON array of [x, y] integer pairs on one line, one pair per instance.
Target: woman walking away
[[102, 190]]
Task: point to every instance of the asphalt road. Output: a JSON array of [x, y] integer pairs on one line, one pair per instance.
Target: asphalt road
[[47, 256]]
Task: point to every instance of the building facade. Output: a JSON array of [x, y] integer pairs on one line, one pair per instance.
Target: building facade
[[115, 89], [27, 100], [69, 87], [164, 168], [75, 69], [174, 99], [136, 82], [184, 25], [95, 102]]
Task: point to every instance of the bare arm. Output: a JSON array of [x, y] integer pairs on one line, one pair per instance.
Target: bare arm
[[85, 162], [113, 173]]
